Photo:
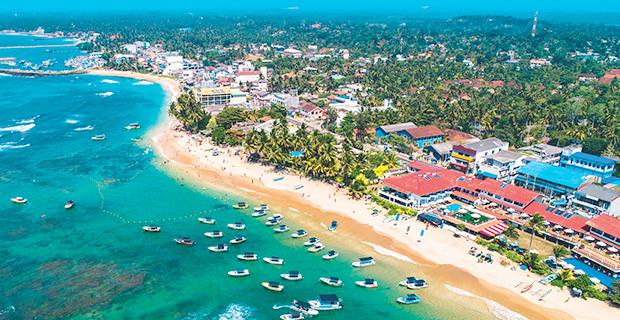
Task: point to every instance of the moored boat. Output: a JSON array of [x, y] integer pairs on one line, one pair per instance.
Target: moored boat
[[273, 260], [312, 242], [19, 200], [214, 234], [239, 272], [282, 228], [326, 302], [333, 226], [151, 228], [364, 262], [294, 315], [236, 226], [207, 220], [136, 139], [292, 275], [185, 241], [409, 299], [133, 126], [237, 239], [367, 283], [240, 205], [219, 248], [389, 219], [548, 278], [99, 137], [248, 256], [263, 207], [317, 247], [413, 283], [330, 255], [277, 216], [527, 288], [259, 214], [273, 286], [332, 281], [303, 307], [69, 204], [299, 234], [272, 222]]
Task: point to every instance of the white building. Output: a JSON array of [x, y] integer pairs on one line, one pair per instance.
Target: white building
[[249, 76], [288, 100], [501, 166], [173, 64], [468, 157], [290, 52]]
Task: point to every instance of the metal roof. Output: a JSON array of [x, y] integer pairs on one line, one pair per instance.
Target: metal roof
[[599, 192], [486, 144], [551, 173], [504, 156], [593, 158], [397, 127]]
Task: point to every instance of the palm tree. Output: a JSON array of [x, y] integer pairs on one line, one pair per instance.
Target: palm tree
[[565, 275], [511, 232], [535, 223], [391, 160]]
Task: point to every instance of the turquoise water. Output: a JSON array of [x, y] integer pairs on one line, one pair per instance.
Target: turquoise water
[[95, 261], [36, 55]]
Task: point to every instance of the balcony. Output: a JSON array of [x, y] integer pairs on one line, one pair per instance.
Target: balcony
[[599, 257]]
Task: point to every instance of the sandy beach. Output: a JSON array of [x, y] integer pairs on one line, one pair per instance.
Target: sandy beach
[[169, 84]]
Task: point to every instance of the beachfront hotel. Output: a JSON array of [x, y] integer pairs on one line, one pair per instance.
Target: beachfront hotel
[[221, 96]]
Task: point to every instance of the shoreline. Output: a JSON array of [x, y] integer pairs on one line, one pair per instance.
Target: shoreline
[[169, 85]]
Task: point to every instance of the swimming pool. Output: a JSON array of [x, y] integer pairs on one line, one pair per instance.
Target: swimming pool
[[453, 207], [591, 272]]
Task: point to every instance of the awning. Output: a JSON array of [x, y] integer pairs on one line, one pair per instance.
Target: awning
[[464, 196], [494, 230], [486, 174]]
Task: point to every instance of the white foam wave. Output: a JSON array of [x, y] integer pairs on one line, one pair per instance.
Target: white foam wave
[[108, 81], [143, 83], [72, 121], [236, 312], [293, 209], [85, 128], [496, 309], [31, 120], [11, 145], [21, 128], [7, 310], [105, 94], [388, 252], [5, 75]]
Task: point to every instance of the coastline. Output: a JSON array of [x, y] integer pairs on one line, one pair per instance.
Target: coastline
[[169, 85]]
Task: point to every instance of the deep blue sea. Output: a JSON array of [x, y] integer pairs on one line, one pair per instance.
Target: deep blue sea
[[95, 261]]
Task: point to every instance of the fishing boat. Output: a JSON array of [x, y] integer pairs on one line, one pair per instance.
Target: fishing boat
[[132, 126], [330, 255], [136, 139], [273, 286], [272, 222], [413, 283], [236, 226], [248, 256], [282, 228], [326, 302], [273, 260], [214, 234], [239, 272], [367, 283], [292, 275], [259, 214], [240, 205], [332, 281], [207, 220], [237, 239], [299, 187], [19, 200], [409, 299], [278, 179], [304, 308], [545, 295], [151, 228], [317, 247], [527, 288], [99, 137], [364, 262], [294, 315], [333, 226], [299, 234], [69, 204], [548, 278], [389, 219], [312, 242], [185, 241], [263, 207], [277, 216], [219, 248]]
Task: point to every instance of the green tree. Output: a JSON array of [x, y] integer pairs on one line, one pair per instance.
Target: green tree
[[218, 135], [535, 223], [594, 145], [277, 111], [230, 116], [511, 232], [560, 252]]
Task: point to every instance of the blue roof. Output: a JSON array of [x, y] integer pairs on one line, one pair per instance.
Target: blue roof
[[558, 175], [612, 180], [593, 158]]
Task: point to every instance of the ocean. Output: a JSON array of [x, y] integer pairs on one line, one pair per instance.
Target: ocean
[[95, 261]]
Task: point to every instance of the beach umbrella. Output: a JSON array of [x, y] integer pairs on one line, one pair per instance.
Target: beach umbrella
[[474, 248], [514, 244], [601, 244], [375, 210], [475, 216], [569, 231], [557, 227], [546, 223], [523, 214], [595, 280], [588, 238], [612, 249]]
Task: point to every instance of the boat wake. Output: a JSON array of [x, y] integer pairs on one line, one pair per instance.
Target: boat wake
[[143, 83], [85, 128], [108, 81], [21, 128], [277, 306], [28, 120], [11, 145], [236, 312], [105, 94], [72, 121], [388, 252], [496, 309]]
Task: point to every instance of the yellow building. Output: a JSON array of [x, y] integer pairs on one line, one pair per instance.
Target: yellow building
[[221, 96]]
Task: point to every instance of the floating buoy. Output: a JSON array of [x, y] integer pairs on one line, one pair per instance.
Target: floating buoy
[[43, 216]]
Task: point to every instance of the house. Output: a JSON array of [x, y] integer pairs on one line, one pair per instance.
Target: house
[[247, 76], [604, 229], [539, 63], [549, 179], [597, 200], [286, 99], [587, 77], [310, 110], [388, 130], [173, 64], [543, 153], [468, 157], [442, 151], [590, 164], [290, 52], [423, 136], [502, 165]]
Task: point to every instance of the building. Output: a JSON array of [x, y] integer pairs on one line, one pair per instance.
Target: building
[[587, 163], [442, 151], [543, 153], [423, 136], [388, 130], [604, 229], [221, 96], [173, 64], [507, 196], [310, 110], [610, 76], [597, 200], [286, 99], [502, 165], [468, 157], [247, 76], [290, 52], [549, 179]]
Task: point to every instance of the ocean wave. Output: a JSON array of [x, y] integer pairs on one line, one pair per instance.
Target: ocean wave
[[496, 309], [31, 120], [5, 75], [143, 83], [108, 81], [105, 94], [236, 312], [7, 310], [72, 121], [21, 128], [388, 252], [11, 145], [85, 128]]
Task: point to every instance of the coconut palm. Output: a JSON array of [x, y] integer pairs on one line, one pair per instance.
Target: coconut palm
[[535, 223]]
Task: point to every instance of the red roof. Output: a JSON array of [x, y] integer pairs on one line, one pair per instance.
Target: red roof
[[308, 107], [265, 119], [248, 73], [426, 131], [575, 222], [508, 191], [607, 224], [419, 183], [614, 73], [494, 230], [465, 196], [455, 135]]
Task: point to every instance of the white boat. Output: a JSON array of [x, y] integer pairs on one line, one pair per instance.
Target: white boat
[[332, 281], [304, 308], [326, 302], [237, 239], [273, 286], [368, 283], [207, 220], [219, 248], [292, 275], [263, 207], [364, 262], [151, 228], [409, 299], [69, 204], [133, 126], [294, 315], [272, 222], [259, 214], [214, 234], [273, 260], [248, 256], [389, 219], [236, 226], [277, 216], [312, 242], [330, 255], [413, 283], [19, 200], [99, 137], [239, 273], [282, 228], [299, 234], [317, 247]]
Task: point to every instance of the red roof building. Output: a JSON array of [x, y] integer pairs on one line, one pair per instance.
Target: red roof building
[[610, 76], [605, 226], [507, 194], [551, 214]]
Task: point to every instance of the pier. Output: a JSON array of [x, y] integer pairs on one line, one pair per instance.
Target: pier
[[8, 59], [32, 73], [41, 46]]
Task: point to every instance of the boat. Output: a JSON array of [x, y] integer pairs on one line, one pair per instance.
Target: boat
[[312, 242], [263, 207], [299, 234], [248, 256], [304, 308], [19, 200], [368, 283], [236, 226], [277, 216], [136, 139], [219, 248], [326, 302], [548, 278], [185, 241], [389, 219], [317, 247], [330, 255], [332, 281], [364, 262], [282, 228], [99, 137], [239, 272], [133, 126], [299, 187], [527, 288], [259, 214], [292, 275], [240, 205], [413, 283], [294, 315], [69, 204], [273, 286], [273, 260], [151, 228], [272, 222], [409, 299], [237, 239], [214, 234], [278, 179], [545, 295], [333, 225], [207, 220]]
